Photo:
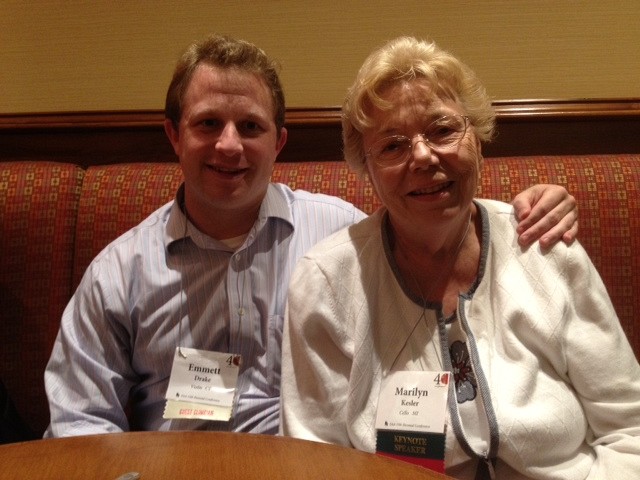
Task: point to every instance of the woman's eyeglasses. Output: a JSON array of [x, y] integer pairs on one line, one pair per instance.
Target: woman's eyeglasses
[[441, 135]]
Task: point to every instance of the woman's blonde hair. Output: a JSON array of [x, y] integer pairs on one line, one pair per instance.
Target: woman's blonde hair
[[405, 59]]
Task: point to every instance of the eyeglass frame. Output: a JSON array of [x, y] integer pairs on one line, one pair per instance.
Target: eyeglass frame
[[403, 158]]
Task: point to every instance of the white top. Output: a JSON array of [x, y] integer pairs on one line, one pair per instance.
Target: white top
[[561, 381]]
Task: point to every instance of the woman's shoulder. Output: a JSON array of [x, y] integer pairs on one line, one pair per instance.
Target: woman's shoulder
[[499, 229], [496, 207]]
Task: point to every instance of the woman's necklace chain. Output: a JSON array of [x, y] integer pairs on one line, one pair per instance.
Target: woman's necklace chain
[[442, 272], [438, 278]]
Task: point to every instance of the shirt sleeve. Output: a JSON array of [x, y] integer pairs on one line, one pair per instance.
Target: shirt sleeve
[[89, 375]]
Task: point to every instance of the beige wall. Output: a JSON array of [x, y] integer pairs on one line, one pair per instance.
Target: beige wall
[[72, 55]]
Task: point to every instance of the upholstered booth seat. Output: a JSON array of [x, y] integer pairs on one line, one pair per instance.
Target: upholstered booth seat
[[38, 211], [54, 218]]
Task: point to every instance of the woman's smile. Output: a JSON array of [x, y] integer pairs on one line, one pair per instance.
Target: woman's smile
[[432, 190]]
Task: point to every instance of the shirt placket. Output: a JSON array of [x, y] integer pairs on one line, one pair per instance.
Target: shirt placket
[[238, 286]]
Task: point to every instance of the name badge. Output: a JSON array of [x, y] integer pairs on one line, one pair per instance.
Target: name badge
[[202, 385], [411, 415]]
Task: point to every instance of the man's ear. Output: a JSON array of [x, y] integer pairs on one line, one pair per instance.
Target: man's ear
[[282, 140], [172, 134]]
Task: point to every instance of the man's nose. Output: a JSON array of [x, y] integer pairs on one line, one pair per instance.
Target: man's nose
[[229, 142]]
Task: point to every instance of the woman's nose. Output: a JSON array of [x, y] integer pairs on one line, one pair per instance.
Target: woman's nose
[[421, 152]]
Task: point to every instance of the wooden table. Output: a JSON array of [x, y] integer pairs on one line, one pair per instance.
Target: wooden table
[[196, 455]]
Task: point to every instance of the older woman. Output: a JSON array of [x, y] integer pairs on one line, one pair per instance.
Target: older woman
[[546, 383]]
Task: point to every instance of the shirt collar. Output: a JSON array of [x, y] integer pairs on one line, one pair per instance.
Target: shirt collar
[[275, 205], [177, 226]]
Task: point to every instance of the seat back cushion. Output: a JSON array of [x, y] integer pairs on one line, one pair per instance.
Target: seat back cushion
[[114, 199], [38, 205]]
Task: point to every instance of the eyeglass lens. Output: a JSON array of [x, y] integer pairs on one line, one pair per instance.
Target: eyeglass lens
[[442, 133]]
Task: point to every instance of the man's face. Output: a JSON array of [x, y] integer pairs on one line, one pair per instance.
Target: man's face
[[227, 143]]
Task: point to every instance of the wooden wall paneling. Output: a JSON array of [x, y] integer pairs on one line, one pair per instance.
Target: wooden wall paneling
[[525, 127]]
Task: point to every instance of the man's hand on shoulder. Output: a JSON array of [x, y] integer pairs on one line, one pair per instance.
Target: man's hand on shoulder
[[547, 213]]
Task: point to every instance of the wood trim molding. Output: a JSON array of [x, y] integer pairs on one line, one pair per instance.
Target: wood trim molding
[[566, 109], [525, 127], [313, 116]]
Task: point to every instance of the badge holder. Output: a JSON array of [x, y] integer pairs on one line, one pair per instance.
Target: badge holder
[[202, 385], [410, 420]]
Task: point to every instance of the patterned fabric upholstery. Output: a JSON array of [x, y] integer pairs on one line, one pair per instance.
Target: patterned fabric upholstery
[[55, 218], [331, 178], [116, 198], [38, 204]]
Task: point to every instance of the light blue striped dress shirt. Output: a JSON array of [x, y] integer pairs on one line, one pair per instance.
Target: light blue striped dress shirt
[[115, 348]]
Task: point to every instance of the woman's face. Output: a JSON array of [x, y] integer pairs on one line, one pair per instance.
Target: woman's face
[[431, 187]]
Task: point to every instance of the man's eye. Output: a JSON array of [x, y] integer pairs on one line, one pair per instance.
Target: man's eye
[[252, 128], [209, 123]]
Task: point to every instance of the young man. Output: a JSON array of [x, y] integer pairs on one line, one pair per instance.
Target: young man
[[209, 271]]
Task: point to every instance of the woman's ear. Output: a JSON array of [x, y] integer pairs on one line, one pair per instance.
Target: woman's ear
[[480, 157]]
